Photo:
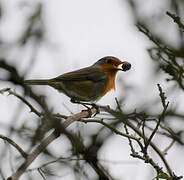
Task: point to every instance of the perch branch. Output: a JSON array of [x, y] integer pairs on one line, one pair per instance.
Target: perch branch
[[49, 139]]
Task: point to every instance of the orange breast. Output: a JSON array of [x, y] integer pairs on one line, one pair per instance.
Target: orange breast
[[111, 75], [110, 83]]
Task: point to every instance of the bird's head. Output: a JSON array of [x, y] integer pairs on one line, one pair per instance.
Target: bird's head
[[110, 63]]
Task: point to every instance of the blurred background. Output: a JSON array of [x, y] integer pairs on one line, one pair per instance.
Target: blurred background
[[43, 39]]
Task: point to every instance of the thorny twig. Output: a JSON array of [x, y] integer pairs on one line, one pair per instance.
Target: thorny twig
[[145, 156], [138, 132], [161, 117]]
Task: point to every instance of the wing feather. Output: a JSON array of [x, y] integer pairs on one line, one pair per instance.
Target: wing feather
[[94, 74]]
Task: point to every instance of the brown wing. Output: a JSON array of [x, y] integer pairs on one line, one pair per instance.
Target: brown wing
[[85, 84], [90, 73]]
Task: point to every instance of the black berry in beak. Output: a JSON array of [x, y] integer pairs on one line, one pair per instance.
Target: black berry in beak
[[126, 66]]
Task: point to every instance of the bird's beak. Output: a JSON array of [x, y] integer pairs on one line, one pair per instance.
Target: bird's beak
[[124, 66]]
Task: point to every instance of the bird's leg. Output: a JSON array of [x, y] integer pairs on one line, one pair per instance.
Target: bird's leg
[[74, 101], [85, 104], [79, 102]]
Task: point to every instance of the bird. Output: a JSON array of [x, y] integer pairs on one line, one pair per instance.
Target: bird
[[88, 84]]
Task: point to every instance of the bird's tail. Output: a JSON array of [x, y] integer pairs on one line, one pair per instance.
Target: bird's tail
[[37, 82]]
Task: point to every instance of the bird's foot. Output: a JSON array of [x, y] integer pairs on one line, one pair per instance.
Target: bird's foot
[[97, 109], [89, 109], [79, 102]]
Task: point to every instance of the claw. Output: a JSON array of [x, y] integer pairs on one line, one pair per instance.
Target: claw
[[97, 109], [89, 112]]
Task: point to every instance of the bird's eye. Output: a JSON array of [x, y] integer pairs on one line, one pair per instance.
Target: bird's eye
[[109, 61]]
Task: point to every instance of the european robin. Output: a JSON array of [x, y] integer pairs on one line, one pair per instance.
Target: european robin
[[87, 84]]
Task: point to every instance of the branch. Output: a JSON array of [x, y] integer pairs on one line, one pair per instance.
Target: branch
[[68, 159], [165, 106], [119, 116], [15, 145], [55, 134], [176, 19], [134, 154], [49, 139], [15, 78], [22, 99], [114, 130], [168, 147]]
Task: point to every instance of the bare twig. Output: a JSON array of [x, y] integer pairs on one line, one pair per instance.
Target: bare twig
[[22, 99], [161, 117], [68, 159], [176, 19], [134, 154], [130, 141], [133, 127], [114, 130], [143, 157], [15, 145], [168, 147], [41, 173], [143, 131]]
